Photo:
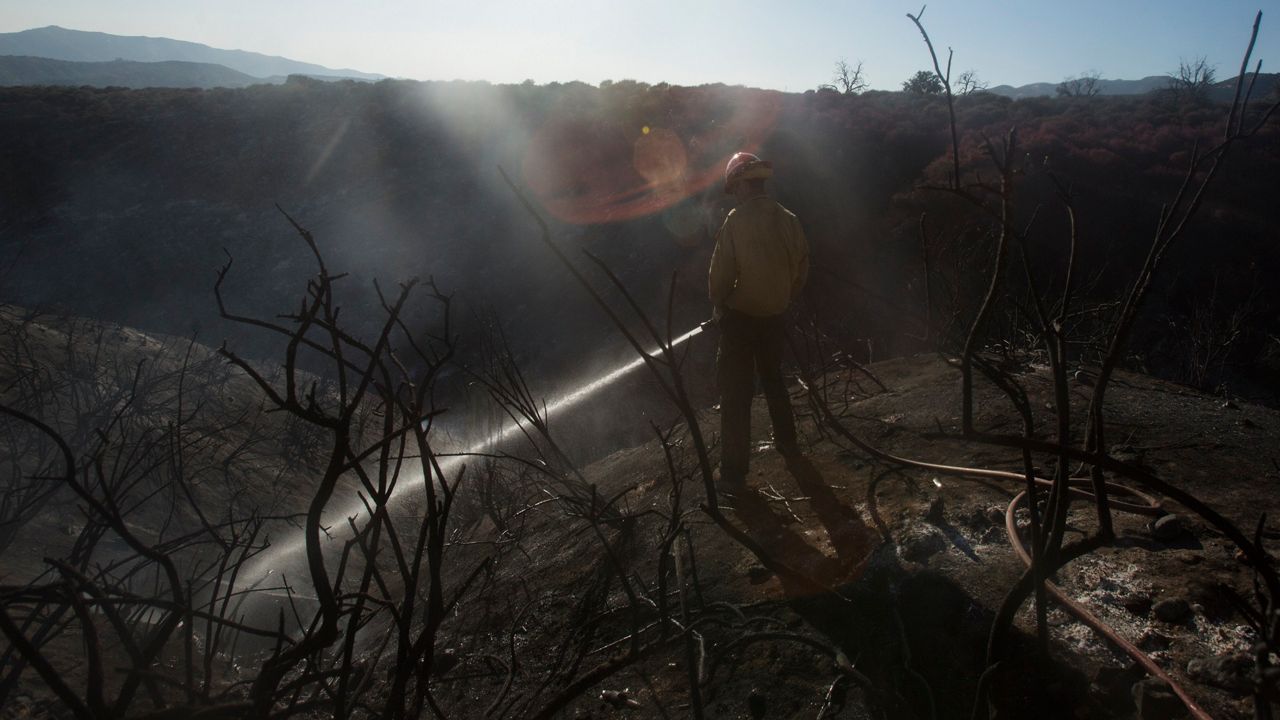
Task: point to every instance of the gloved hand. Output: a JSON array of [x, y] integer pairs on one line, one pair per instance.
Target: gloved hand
[[717, 313]]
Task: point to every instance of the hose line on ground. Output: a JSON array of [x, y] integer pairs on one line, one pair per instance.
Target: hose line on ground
[[1145, 505], [1093, 621]]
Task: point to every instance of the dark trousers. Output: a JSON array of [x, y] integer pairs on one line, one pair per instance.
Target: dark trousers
[[750, 346]]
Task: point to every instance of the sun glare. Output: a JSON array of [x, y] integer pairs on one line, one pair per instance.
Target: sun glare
[[586, 169]]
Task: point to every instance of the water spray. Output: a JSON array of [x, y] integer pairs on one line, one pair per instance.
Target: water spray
[[286, 554]]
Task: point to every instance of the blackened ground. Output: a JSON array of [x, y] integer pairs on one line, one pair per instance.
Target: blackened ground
[[918, 564]]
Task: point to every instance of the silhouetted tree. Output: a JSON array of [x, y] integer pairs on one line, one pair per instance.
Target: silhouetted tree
[[968, 82], [1192, 80], [1083, 85], [923, 83], [849, 79]]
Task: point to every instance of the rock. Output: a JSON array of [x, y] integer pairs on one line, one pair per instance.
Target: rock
[[1136, 603], [995, 514], [443, 661], [619, 698], [1128, 456], [1172, 610], [1155, 700], [1111, 684], [1168, 528], [1241, 557], [992, 535], [976, 519], [1232, 672], [1153, 641], [21, 707], [921, 545]]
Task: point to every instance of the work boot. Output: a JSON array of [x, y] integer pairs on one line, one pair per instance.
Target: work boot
[[729, 487], [788, 449]]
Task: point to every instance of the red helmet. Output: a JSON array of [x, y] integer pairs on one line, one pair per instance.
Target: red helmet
[[745, 166]]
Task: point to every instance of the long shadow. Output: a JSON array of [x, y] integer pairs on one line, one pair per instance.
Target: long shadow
[[773, 533], [850, 537], [1187, 542], [918, 636], [955, 537]]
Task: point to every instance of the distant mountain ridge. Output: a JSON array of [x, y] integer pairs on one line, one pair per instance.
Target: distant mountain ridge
[[1221, 91], [57, 43], [23, 70], [55, 55], [1105, 87]]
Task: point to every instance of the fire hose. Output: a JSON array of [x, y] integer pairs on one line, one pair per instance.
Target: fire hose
[[1093, 621]]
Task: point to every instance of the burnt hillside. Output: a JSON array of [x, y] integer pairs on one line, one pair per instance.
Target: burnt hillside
[[119, 203]]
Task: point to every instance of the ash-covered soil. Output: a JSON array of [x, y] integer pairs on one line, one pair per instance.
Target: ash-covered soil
[[920, 562], [903, 568]]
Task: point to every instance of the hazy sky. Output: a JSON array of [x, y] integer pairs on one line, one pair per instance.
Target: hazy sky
[[761, 43]]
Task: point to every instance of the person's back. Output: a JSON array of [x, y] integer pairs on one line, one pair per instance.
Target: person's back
[[760, 260], [759, 265]]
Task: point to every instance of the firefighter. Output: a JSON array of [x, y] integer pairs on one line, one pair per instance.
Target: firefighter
[[758, 268]]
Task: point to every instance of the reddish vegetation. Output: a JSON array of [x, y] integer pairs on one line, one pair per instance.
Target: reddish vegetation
[[595, 165], [407, 169]]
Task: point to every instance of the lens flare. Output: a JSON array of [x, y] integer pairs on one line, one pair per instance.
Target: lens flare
[[660, 158], [586, 167], [686, 221]]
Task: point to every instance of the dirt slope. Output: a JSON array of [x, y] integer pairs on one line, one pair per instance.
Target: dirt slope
[[923, 560], [909, 566]]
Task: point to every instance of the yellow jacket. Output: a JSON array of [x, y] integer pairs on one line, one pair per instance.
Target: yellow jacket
[[761, 259]]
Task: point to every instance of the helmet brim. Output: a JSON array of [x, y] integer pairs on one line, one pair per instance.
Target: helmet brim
[[754, 171]]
